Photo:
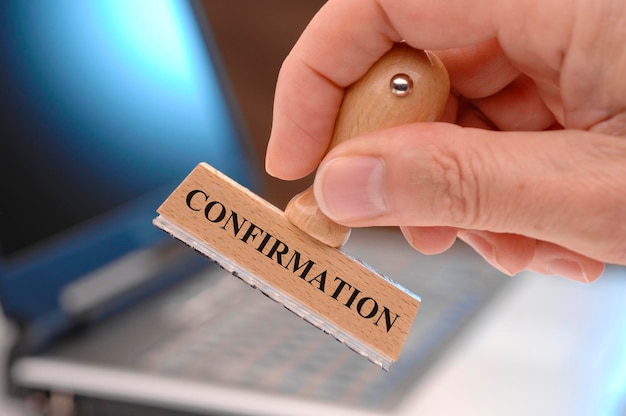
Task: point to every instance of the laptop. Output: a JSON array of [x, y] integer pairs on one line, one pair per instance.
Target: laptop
[[106, 107]]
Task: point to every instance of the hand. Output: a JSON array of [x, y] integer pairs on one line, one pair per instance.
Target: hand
[[530, 168]]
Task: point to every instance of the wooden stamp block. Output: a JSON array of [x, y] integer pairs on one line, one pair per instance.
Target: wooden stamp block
[[255, 241], [304, 270]]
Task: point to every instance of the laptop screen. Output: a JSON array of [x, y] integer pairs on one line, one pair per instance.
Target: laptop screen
[[106, 107]]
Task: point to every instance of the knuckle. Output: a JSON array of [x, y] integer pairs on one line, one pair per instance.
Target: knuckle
[[616, 226], [605, 211], [459, 191]]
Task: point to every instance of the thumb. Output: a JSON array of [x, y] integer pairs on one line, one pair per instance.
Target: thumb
[[564, 187]]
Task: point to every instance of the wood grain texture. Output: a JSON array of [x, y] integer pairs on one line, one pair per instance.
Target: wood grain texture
[[369, 105], [259, 239]]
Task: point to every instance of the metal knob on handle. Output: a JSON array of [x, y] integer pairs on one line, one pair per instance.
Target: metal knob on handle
[[405, 86]]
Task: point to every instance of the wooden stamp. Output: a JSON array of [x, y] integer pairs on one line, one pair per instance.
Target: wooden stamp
[[305, 270]]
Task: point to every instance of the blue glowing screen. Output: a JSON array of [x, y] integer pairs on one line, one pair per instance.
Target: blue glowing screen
[[106, 106], [102, 101]]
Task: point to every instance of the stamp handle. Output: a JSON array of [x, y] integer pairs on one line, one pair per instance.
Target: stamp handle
[[405, 86]]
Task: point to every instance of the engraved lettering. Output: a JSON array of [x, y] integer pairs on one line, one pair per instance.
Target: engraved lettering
[[295, 259], [278, 249], [388, 322], [352, 297], [250, 233], [360, 306], [221, 213], [234, 219], [341, 289], [340, 286], [190, 196], [266, 239], [320, 279]]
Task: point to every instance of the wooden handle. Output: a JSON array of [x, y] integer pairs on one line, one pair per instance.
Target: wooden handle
[[405, 86]]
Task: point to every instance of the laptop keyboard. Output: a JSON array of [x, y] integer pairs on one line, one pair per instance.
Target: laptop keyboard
[[225, 332]]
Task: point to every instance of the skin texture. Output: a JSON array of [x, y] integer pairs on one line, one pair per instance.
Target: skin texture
[[529, 164]]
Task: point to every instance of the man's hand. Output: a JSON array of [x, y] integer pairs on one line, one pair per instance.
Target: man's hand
[[533, 174]]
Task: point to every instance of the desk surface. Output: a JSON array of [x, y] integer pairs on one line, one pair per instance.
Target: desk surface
[[546, 347], [8, 406]]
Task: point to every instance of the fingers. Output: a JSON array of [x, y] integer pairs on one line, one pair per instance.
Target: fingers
[[347, 36], [326, 59], [552, 259], [509, 253], [518, 106], [430, 240], [478, 71], [303, 122], [538, 185]]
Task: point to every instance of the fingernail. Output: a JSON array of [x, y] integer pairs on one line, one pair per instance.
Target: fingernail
[[487, 250], [351, 188], [408, 235], [568, 268]]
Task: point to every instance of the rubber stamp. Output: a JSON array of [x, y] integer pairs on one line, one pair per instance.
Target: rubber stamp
[[295, 257]]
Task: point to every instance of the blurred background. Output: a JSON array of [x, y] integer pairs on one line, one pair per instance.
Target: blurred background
[[582, 355], [54, 41], [254, 37]]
